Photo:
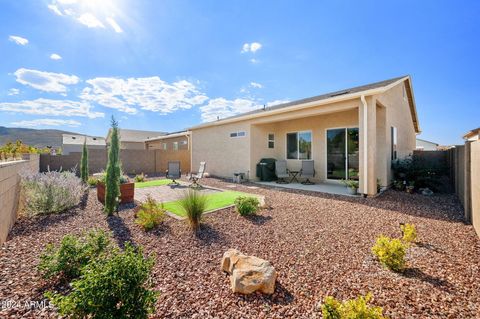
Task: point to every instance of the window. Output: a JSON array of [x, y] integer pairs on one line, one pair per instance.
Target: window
[[238, 134], [184, 142], [175, 146], [299, 145], [164, 146], [271, 140], [394, 140]]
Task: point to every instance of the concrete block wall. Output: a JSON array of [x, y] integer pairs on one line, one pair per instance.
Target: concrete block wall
[[10, 190]]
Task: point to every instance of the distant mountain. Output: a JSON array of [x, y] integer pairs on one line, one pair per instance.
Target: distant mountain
[[37, 138]]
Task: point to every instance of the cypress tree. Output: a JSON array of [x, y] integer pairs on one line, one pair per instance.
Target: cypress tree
[[84, 162], [113, 171]]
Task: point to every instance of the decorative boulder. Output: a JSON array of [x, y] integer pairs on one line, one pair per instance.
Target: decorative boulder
[[248, 273]]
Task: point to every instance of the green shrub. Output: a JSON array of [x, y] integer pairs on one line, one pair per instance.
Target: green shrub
[[72, 254], [194, 206], [350, 183], [150, 215], [351, 309], [113, 172], [112, 287], [246, 205], [140, 178], [92, 181], [409, 233], [390, 252], [84, 162]]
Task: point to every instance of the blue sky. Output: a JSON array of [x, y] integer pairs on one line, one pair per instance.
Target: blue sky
[[168, 65]]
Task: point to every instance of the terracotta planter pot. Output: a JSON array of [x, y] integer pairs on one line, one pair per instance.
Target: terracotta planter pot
[[127, 192]]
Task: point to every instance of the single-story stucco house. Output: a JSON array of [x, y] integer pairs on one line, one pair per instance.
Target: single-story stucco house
[[424, 145], [74, 143], [133, 139], [171, 147], [352, 133], [473, 135]]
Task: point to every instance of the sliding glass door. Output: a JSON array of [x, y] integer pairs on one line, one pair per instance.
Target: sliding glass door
[[342, 153]]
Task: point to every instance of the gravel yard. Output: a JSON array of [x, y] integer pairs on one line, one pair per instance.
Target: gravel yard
[[319, 244]]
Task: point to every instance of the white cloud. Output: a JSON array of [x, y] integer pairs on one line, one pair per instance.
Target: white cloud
[[251, 47], [222, 108], [55, 9], [152, 94], [46, 122], [114, 25], [45, 81], [55, 56], [256, 85], [18, 40], [47, 107], [13, 91], [90, 21], [254, 61]]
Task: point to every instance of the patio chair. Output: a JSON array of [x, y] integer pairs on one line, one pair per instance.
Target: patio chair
[[196, 177], [281, 171], [307, 171], [173, 172]]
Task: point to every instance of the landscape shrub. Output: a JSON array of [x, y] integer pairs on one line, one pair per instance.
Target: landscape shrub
[[73, 253], [113, 172], [84, 162], [150, 215], [247, 205], [140, 178], [409, 232], [390, 252], [351, 309], [51, 192], [113, 287], [194, 205], [92, 181]]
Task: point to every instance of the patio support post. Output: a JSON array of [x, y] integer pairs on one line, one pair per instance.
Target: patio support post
[[367, 145]]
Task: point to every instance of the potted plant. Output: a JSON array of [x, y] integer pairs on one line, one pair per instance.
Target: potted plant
[[127, 189], [410, 188], [398, 185], [352, 186]]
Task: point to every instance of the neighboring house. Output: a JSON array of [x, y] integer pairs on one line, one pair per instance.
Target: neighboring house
[[473, 135], [74, 143], [133, 139], [423, 145], [171, 147], [353, 133]]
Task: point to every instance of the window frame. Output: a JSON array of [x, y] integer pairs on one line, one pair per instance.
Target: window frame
[[271, 140], [393, 143], [175, 145], [298, 145], [164, 146], [238, 134]]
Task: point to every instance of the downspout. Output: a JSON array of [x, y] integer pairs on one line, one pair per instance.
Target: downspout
[[365, 145]]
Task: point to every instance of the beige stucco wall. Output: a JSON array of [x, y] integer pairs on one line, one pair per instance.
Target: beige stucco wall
[[132, 145], [223, 154], [475, 184], [164, 156], [398, 115], [10, 190]]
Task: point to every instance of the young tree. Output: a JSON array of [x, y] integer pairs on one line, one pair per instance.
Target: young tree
[[113, 171], [84, 162]]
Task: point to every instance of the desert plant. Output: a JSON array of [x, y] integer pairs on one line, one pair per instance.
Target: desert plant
[[390, 252], [50, 192], [409, 233], [194, 204], [351, 309], [150, 215], [92, 181], [84, 162], [73, 253], [113, 287], [140, 178], [113, 172], [246, 205]]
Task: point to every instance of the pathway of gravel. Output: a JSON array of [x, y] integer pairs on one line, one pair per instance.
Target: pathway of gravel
[[319, 244]]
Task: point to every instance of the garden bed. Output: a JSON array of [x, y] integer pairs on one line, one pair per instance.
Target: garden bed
[[319, 244]]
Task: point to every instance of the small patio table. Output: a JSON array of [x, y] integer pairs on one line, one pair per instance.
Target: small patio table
[[293, 175]]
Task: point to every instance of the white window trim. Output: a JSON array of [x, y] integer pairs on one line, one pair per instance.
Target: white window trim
[[298, 146], [238, 132], [270, 140]]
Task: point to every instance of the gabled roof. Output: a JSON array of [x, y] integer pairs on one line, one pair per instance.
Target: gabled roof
[[419, 139], [135, 135], [169, 135], [76, 139], [341, 95], [472, 133]]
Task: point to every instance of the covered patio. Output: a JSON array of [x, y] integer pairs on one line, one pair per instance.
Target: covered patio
[[326, 187]]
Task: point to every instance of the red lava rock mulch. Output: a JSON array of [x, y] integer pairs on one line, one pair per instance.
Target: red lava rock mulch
[[319, 244]]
